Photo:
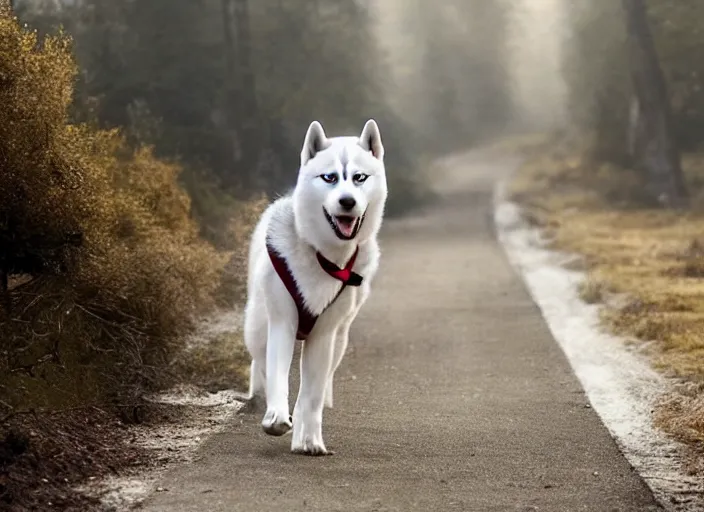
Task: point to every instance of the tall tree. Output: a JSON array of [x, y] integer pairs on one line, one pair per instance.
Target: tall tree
[[654, 147], [231, 103], [243, 105]]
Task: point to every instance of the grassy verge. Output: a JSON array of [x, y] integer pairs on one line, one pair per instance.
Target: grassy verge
[[644, 265]]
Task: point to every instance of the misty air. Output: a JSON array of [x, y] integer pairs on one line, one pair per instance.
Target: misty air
[[378, 255]]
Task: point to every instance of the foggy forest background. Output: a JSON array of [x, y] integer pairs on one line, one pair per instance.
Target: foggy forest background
[[141, 139]]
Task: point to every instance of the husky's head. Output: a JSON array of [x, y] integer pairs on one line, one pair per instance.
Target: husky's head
[[341, 189]]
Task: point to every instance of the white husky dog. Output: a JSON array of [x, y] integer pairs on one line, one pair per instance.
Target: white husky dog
[[312, 258]]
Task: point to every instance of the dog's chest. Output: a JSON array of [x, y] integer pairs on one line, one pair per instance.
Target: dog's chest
[[321, 292]]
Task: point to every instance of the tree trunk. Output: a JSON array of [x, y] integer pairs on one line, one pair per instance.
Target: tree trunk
[[232, 112], [246, 125], [651, 134], [254, 133], [244, 56]]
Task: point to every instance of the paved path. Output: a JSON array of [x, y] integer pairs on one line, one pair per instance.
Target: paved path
[[453, 396]]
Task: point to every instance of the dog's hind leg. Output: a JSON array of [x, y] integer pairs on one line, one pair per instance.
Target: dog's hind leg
[[341, 339], [340, 346], [255, 341], [257, 378], [255, 400]]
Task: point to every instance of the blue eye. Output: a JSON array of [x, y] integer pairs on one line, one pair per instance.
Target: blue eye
[[330, 177], [359, 178]]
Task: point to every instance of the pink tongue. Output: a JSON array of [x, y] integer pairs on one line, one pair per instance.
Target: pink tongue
[[345, 227]]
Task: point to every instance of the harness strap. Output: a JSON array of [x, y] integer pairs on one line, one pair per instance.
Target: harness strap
[[306, 319], [346, 275]]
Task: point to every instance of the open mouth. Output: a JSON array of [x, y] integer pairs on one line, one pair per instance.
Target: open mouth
[[345, 227]]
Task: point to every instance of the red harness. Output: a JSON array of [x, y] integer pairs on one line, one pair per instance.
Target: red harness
[[306, 319]]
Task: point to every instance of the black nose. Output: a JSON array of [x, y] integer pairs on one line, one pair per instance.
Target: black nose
[[347, 202]]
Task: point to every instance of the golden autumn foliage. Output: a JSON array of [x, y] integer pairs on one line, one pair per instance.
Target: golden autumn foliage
[[107, 268]]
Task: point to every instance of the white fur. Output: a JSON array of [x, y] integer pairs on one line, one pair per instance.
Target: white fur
[[297, 228]]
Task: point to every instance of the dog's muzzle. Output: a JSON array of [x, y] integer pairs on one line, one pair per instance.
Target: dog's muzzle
[[345, 227]]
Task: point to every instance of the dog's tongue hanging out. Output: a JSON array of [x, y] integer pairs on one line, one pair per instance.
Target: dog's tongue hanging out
[[345, 224]]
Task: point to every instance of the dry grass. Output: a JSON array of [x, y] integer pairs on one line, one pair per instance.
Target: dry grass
[[593, 290], [652, 260], [119, 269], [108, 270], [682, 414], [217, 364]]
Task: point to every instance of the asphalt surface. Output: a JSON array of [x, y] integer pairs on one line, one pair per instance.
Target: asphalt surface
[[453, 395]]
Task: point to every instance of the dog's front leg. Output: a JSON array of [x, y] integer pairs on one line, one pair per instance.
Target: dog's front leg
[[316, 360], [279, 352]]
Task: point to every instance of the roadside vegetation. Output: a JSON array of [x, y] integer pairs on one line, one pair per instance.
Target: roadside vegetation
[[624, 188], [103, 271]]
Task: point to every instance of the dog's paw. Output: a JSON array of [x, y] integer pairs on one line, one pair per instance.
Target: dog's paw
[[311, 448], [275, 423], [308, 440]]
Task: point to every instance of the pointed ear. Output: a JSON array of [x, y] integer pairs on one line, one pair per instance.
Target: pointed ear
[[370, 139], [315, 142]]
